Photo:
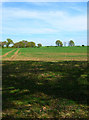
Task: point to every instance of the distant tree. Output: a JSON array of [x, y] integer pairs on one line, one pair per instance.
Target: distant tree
[[32, 44], [39, 45], [82, 45], [3, 44], [16, 45], [71, 43], [24, 43], [9, 41], [28, 44], [59, 43], [0, 44], [21, 44]]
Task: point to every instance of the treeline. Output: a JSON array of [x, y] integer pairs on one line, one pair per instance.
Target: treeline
[[20, 44], [25, 44]]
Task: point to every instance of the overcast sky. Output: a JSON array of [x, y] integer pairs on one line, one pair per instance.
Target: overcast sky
[[45, 22]]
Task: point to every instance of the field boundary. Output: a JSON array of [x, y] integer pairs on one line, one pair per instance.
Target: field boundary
[[47, 60]]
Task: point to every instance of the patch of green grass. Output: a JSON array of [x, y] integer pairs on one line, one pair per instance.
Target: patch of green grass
[[53, 53], [49, 53], [34, 89], [0, 51], [10, 54], [5, 50], [55, 50]]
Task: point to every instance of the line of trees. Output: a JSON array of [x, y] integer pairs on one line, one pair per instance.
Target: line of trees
[[25, 44], [20, 44], [59, 43]]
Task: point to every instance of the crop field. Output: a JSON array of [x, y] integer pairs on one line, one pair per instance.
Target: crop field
[[45, 53], [4, 51], [47, 82]]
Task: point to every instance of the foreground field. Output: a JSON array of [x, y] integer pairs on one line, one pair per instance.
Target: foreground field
[[45, 83], [46, 53], [34, 89]]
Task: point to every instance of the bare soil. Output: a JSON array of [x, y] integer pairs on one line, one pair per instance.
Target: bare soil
[[22, 58]]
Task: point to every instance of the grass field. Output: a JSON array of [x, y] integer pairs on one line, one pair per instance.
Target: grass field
[[5, 50], [37, 87], [47, 53]]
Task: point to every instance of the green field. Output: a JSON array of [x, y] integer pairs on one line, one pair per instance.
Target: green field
[[48, 53], [10, 54], [35, 86], [5, 50]]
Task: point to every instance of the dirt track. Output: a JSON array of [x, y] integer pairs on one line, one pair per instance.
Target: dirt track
[[6, 53], [15, 54]]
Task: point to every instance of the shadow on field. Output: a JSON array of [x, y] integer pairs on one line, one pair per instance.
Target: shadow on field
[[25, 80]]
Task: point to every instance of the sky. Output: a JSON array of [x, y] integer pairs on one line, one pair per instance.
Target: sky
[[44, 0], [45, 22]]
